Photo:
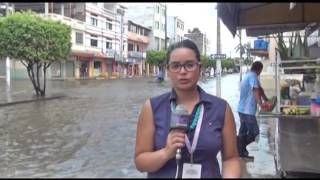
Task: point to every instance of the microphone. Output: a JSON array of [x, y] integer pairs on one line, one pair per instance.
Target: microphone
[[179, 120]]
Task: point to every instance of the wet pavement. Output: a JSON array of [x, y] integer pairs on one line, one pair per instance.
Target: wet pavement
[[90, 132]]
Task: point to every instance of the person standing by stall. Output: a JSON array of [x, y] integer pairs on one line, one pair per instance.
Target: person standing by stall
[[251, 94]]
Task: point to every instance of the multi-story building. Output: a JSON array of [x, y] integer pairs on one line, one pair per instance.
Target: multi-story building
[[138, 41], [151, 15], [175, 29], [99, 37], [199, 38]]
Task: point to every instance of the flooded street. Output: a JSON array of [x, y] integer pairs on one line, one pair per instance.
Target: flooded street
[[90, 132]]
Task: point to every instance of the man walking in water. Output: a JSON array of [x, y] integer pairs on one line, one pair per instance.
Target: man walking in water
[[251, 94]]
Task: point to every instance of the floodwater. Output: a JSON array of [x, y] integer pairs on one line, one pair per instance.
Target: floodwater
[[90, 132]]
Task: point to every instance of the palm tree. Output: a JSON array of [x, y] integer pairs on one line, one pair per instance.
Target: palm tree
[[244, 49]]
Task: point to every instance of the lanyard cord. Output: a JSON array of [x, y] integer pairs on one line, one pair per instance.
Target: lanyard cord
[[191, 149]]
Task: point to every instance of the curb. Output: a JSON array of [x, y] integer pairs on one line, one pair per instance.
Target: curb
[[31, 100]]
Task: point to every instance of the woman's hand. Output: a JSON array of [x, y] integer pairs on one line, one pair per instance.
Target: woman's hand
[[175, 140]]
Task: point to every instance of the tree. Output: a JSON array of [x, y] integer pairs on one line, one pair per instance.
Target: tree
[[157, 58], [228, 63], [207, 62], [245, 49], [36, 41]]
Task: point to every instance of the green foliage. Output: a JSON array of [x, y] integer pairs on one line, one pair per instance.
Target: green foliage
[[207, 62], [227, 63], [36, 41], [244, 49], [284, 51], [247, 62], [157, 58], [30, 37]]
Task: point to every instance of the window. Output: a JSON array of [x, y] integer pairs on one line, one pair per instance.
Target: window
[[158, 9], [163, 12], [57, 8], [182, 27], [145, 33], [141, 31], [163, 27], [96, 65], [157, 25], [133, 28], [94, 41], [157, 40], [36, 7], [138, 47], [109, 43], [162, 43], [67, 9], [93, 20], [109, 24], [130, 47], [79, 38], [78, 11]]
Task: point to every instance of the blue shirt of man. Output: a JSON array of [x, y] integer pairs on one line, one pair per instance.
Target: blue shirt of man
[[248, 102]]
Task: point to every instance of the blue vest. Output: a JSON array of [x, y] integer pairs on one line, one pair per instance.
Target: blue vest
[[210, 137]]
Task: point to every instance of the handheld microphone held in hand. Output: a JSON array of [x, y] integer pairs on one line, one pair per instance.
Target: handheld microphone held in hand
[[179, 120]]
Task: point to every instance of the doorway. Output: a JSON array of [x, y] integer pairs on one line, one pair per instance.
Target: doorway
[[84, 70]]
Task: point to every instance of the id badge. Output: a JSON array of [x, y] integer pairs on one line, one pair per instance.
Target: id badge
[[191, 170]]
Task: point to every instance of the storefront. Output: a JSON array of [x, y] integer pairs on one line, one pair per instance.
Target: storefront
[[90, 65]]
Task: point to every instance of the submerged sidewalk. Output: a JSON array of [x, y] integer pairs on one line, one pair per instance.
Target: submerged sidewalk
[[21, 91]]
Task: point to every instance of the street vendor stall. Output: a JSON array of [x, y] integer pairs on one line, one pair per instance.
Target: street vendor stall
[[297, 136], [297, 140]]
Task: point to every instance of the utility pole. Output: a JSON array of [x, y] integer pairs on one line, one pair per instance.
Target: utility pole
[[218, 64]]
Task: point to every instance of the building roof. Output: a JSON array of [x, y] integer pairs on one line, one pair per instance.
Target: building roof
[[131, 21]]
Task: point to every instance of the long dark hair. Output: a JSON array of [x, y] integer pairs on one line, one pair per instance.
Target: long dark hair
[[183, 44]]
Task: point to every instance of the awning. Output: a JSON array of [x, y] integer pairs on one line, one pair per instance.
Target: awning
[[268, 18], [89, 54]]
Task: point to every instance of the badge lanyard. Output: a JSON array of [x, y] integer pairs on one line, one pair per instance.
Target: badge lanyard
[[192, 148]]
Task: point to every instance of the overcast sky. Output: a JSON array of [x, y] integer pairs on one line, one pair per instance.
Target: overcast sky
[[204, 16]]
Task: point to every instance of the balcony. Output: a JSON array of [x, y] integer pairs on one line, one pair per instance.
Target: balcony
[[118, 57], [138, 38], [135, 54], [110, 53]]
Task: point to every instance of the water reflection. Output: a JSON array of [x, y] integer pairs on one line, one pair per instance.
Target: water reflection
[[91, 131]]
